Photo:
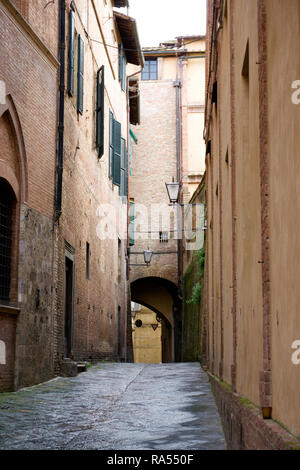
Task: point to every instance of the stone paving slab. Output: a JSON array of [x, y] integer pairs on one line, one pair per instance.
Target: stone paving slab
[[115, 406]]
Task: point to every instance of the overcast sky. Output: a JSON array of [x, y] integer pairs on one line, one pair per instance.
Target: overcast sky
[[160, 20]]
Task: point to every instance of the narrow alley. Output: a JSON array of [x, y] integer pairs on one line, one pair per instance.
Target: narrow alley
[[149, 225], [115, 406]]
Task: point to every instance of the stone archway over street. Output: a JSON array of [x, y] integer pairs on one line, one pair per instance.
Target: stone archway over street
[[161, 296]]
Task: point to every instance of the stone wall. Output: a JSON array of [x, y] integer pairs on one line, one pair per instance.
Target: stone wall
[[34, 350]]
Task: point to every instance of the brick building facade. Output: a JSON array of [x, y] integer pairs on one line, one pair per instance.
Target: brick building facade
[[28, 123], [92, 279], [64, 117], [172, 110], [251, 315]]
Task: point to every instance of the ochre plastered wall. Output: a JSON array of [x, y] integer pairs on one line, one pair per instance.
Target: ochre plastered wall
[[248, 208], [252, 180], [283, 149]]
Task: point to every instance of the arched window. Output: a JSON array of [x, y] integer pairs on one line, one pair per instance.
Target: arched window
[[7, 211]]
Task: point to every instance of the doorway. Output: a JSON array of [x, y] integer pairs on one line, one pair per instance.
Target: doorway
[[69, 276]]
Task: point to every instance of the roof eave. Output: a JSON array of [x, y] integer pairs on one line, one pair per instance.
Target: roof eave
[[130, 38]]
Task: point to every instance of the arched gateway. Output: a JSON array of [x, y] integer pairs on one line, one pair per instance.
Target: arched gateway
[[161, 296]]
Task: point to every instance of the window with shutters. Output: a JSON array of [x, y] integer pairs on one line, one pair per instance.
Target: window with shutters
[[80, 75], [100, 111], [111, 146], [122, 67], [115, 150], [71, 53], [116, 167], [131, 222], [124, 169]]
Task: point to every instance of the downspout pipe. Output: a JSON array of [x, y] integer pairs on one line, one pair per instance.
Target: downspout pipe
[[61, 105], [128, 341], [177, 85]]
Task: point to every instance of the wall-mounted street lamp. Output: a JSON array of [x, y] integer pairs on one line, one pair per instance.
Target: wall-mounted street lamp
[[173, 191], [147, 258]]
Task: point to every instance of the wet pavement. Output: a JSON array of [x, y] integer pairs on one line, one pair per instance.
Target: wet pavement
[[115, 406]]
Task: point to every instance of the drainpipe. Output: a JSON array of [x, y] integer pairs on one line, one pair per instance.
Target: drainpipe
[[60, 148], [128, 348], [177, 85]]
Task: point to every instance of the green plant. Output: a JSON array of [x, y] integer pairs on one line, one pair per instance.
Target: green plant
[[196, 294], [195, 298]]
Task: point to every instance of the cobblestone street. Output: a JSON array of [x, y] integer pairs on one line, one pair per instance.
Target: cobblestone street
[[115, 406]]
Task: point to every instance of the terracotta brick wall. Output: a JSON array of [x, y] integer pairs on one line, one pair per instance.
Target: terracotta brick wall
[[28, 137], [154, 164], [86, 186], [8, 337]]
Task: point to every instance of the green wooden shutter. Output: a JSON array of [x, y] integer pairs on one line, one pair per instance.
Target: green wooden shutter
[[111, 145], [71, 53], [122, 67], [131, 223], [123, 185], [116, 153], [100, 112], [126, 183], [80, 75], [125, 169]]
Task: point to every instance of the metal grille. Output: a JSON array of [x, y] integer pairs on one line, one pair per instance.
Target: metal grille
[[163, 237], [5, 248]]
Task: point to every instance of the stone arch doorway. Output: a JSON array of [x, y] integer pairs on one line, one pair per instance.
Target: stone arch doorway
[[161, 296], [13, 161], [13, 193]]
